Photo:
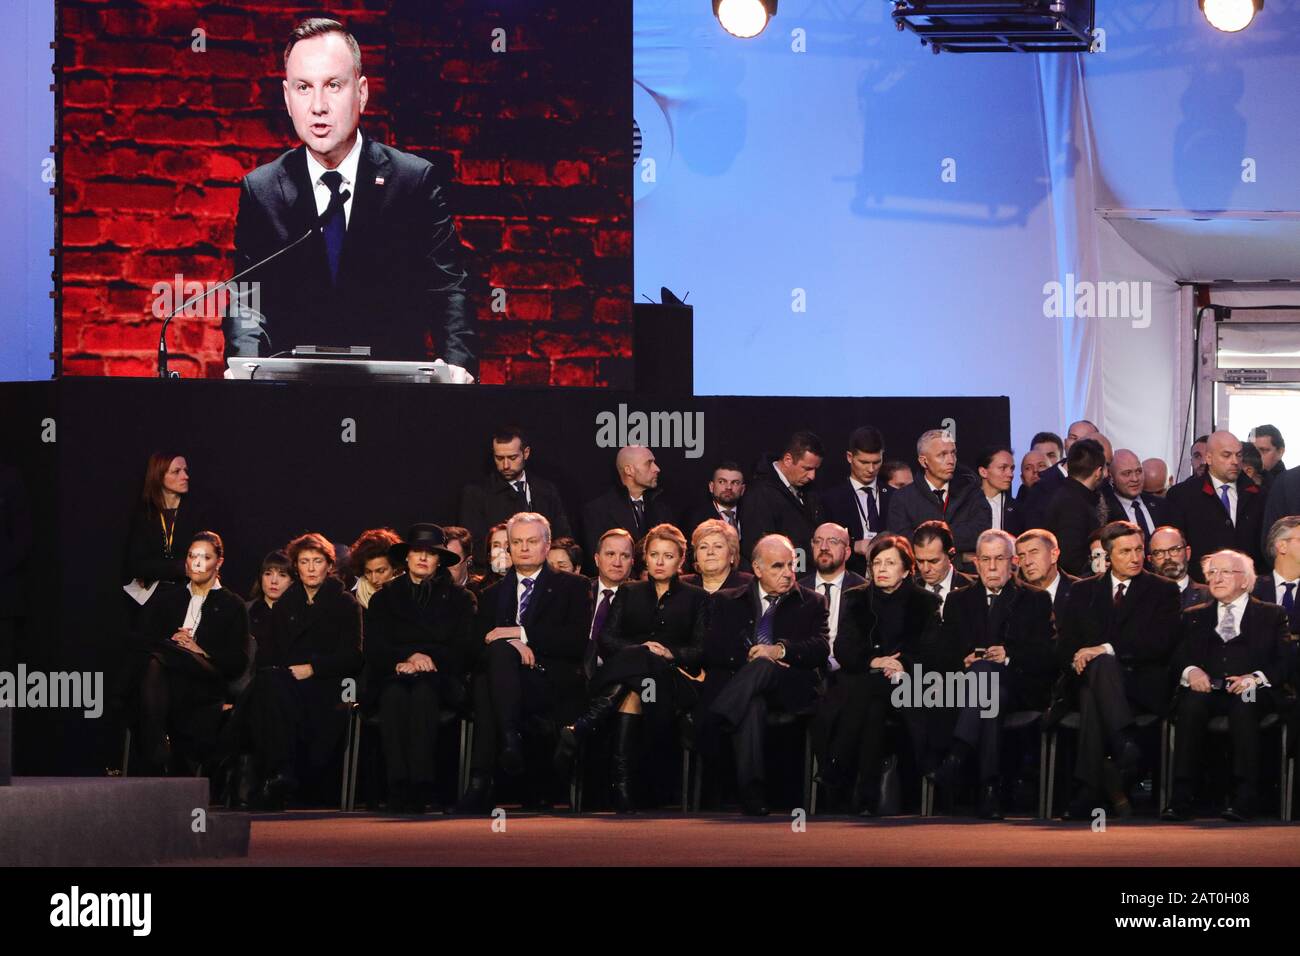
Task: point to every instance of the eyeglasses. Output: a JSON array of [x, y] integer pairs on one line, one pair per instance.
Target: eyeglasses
[[1168, 552], [827, 542], [1214, 573]]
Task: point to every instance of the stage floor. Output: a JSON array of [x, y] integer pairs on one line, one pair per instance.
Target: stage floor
[[356, 839]]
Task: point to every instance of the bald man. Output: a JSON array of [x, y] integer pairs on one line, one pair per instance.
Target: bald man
[[1220, 510], [1125, 499], [1155, 477], [633, 504], [765, 645]]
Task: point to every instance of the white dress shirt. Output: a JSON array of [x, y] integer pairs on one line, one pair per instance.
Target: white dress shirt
[[1051, 588], [1132, 506], [833, 608], [519, 596], [1279, 588], [528, 491], [995, 508], [1114, 587], [860, 499], [945, 588], [347, 169], [194, 612], [1232, 496]]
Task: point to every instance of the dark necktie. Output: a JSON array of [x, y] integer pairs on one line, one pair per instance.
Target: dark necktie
[[525, 597], [942, 495], [597, 623], [1140, 515], [730, 516], [937, 589], [764, 633], [638, 512], [873, 513], [1288, 599], [333, 222], [1119, 595], [521, 490]]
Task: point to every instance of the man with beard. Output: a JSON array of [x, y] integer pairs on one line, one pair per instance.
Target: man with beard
[[509, 490], [831, 579], [726, 489], [635, 504], [1169, 557]]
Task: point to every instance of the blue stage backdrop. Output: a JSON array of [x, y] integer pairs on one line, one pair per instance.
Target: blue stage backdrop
[[27, 225], [852, 214]]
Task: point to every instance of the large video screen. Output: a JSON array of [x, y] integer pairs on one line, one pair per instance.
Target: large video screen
[[444, 188]]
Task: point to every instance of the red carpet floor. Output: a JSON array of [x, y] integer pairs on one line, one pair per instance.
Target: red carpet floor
[[337, 839]]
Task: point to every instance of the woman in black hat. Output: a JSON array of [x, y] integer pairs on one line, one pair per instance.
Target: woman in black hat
[[651, 643], [419, 642]]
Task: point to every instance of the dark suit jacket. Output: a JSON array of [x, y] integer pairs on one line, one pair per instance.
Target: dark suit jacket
[[146, 555], [1154, 506], [614, 509], [736, 579], [1196, 593], [917, 503], [557, 621], [437, 621], [222, 630], [705, 511], [1258, 646], [15, 540], [1283, 500], [1196, 510], [1067, 581], [840, 504], [1072, 516], [325, 634], [982, 515], [492, 500], [771, 508], [1143, 630], [861, 637], [678, 621], [1034, 502], [1020, 620], [799, 622], [400, 273]]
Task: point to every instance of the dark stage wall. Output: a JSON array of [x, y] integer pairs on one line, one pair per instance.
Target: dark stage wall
[[271, 459]]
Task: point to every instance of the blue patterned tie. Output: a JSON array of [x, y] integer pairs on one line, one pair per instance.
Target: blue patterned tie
[[333, 222], [1223, 496], [1288, 599], [764, 633], [525, 598]]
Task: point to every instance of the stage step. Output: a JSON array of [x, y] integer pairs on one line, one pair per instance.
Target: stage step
[[114, 821]]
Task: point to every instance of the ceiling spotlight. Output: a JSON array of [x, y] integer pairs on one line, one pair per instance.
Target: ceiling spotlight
[[744, 18], [1230, 15]]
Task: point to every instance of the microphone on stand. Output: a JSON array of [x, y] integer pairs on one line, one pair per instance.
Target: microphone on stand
[[163, 371]]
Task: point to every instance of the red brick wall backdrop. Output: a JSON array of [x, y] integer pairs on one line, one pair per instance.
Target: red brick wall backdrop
[[156, 136]]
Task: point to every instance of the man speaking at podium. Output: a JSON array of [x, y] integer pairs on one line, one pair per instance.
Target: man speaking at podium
[[381, 265]]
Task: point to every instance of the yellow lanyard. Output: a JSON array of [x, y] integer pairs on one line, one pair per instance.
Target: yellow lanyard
[[168, 533]]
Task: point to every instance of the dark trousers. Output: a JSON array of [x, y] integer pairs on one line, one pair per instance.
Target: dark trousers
[[504, 694], [984, 734], [179, 701], [408, 718], [1194, 712], [742, 706], [858, 740], [1104, 714], [293, 726]]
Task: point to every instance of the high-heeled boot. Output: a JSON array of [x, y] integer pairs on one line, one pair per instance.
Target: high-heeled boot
[[572, 736], [627, 739]]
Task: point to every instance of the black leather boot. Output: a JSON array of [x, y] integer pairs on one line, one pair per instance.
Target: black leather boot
[[244, 782], [477, 798], [572, 736], [627, 737]]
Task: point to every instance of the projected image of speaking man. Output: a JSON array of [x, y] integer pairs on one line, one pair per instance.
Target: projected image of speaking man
[[382, 268]]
